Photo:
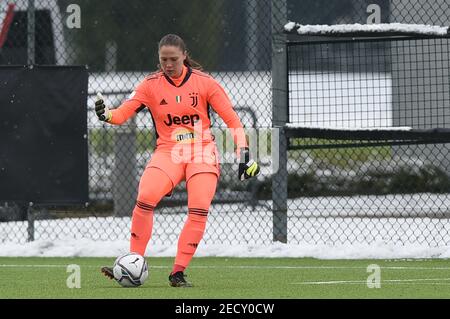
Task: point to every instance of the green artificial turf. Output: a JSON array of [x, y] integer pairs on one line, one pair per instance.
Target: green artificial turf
[[231, 278]]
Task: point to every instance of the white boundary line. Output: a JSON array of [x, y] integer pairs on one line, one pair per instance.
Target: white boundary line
[[414, 281], [236, 267]]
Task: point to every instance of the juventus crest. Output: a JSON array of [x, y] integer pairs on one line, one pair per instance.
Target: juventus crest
[[194, 99]]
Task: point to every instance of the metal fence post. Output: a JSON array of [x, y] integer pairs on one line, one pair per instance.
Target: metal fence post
[[125, 186], [279, 119], [31, 32], [251, 34], [30, 219], [279, 185]]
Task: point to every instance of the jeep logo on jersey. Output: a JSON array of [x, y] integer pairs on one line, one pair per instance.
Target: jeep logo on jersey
[[185, 119]]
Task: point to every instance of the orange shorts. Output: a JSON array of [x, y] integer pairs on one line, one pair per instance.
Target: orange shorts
[[182, 161]]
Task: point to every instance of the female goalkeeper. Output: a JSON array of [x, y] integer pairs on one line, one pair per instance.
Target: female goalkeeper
[[178, 97]]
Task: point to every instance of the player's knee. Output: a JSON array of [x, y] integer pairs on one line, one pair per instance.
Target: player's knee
[[150, 195], [199, 202]]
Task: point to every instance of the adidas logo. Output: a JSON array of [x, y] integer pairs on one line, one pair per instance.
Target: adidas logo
[[193, 245], [163, 102]]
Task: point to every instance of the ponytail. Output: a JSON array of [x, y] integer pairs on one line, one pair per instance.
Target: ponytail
[[192, 63]]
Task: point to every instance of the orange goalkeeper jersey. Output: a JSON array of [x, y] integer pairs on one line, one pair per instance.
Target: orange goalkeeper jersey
[[180, 108]]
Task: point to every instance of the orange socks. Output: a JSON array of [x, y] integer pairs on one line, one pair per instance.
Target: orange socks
[[201, 189], [190, 237], [141, 227]]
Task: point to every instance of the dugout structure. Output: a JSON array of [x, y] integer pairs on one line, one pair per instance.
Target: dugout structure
[[364, 135]]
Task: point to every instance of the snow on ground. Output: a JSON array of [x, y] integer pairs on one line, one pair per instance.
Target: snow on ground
[[238, 231], [91, 248]]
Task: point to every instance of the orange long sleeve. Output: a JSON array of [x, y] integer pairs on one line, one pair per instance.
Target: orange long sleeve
[[223, 106], [124, 111]]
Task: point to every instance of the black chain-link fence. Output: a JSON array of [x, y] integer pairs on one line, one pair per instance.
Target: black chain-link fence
[[235, 41], [369, 123], [118, 41], [356, 191]]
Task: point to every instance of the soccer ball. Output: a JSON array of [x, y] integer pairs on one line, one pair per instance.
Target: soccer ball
[[130, 270]]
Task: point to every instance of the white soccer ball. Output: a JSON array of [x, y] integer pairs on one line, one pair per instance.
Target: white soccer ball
[[130, 270]]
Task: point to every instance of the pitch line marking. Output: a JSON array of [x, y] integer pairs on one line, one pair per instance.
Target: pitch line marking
[[237, 267], [414, 281], [324, 267]]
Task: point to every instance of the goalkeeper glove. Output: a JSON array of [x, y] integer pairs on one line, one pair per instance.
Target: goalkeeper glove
[[247, 167], [102, 111]]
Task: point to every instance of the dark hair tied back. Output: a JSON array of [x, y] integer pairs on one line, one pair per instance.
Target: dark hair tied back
[[176, 41]]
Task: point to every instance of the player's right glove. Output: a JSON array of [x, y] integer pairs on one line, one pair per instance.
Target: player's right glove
[[102, 111], [247, 166]]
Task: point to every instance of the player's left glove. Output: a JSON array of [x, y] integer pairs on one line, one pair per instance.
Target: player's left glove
[[102, 111], [247, 166]]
